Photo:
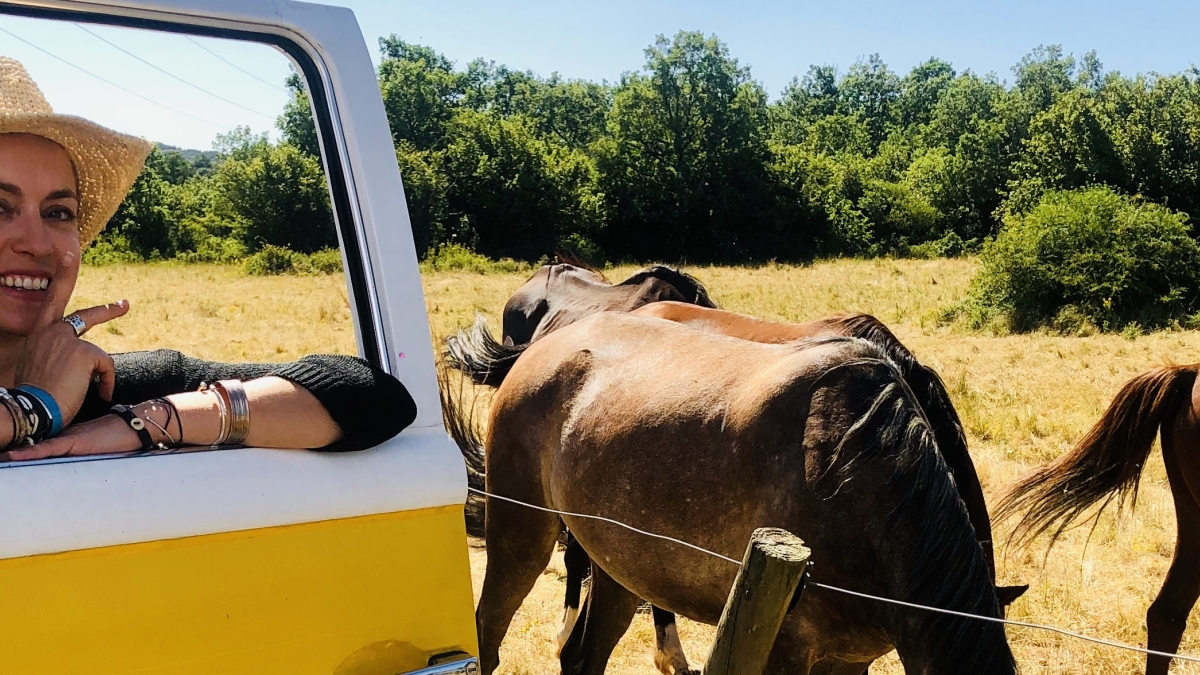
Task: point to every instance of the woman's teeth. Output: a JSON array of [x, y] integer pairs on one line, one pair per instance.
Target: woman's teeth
[[27, 283]]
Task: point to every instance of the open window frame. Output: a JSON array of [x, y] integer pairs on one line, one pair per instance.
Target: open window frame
[[121, 500]]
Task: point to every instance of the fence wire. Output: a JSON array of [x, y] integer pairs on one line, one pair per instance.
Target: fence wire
[[865, 596]]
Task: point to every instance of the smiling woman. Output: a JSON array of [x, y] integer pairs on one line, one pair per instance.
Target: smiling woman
[[61, 179]]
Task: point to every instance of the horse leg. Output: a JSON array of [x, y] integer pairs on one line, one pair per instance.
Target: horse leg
[[669, 657], [576, 560], [1167, 616], [520, 542], [606, 616]]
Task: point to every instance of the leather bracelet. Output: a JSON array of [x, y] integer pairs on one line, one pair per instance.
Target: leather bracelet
[[51, 406], [19, 419], [137, 424], [39, 421]]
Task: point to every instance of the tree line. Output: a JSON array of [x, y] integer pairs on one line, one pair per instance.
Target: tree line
[[690, 159]]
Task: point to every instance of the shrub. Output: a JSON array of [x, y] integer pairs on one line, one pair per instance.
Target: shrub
[[110, 251], [271, 260], [449, 257], [1089, 256], [325, 261], [215, 250], [280, 260]]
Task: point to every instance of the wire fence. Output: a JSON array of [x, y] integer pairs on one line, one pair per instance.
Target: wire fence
[[857, 594]]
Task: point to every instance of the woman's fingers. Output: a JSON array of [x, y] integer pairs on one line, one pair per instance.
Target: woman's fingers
[[102, 436], [105, 373], [55, 447], [94, 316]]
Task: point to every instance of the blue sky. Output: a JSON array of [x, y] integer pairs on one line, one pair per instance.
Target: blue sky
[[595, 41]]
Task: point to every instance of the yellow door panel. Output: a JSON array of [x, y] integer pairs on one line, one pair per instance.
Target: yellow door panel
[[361, 596]]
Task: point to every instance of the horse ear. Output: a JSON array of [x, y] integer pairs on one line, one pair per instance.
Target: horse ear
[[1007, 594]]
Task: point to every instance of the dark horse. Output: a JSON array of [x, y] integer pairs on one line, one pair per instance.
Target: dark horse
[[558, 295], [704, 437], [1107, 464]]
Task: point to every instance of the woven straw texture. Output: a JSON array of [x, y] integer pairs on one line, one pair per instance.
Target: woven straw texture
[[106, 162]]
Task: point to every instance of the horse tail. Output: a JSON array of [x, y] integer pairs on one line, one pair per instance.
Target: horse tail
[[1107, 463], [475, 352], [458, 414]]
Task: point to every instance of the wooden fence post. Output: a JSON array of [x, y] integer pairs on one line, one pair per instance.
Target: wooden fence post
[[771, 574]]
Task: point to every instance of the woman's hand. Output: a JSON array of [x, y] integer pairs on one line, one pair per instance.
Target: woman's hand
[[102, 436], [56, 360]]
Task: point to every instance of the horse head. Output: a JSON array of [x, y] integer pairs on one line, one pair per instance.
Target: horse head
[[559, 294]]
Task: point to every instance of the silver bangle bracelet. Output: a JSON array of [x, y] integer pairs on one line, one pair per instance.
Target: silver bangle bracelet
[[222, 407], [239, 411]]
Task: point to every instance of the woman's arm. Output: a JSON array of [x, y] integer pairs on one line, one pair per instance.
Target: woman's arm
[[325, 402], [282, 415], [367, 405]]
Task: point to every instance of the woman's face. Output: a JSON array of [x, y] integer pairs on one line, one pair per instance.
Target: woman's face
[[39, 235]]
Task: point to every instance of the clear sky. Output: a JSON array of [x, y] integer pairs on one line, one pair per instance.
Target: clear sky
[[596, 41]]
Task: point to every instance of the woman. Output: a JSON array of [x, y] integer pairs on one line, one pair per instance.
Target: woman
[[61, 179]]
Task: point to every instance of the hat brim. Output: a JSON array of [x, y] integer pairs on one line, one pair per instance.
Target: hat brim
[[106, 162]]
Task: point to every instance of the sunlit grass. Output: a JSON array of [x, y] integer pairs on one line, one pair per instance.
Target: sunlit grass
[[1024, 399]]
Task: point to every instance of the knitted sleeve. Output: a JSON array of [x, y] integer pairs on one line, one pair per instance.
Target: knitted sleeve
[[368, 405]]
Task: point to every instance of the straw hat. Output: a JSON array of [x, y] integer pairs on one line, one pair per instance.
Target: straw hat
[[106, 162]]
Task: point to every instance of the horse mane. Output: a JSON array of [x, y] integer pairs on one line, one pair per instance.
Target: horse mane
[[931, 391], [943, 561], [691, 288], [571, 259], [477, 353]]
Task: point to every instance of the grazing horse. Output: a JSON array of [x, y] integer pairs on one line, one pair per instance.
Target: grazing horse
[[558, 295], [704, 438], [1107, 464]]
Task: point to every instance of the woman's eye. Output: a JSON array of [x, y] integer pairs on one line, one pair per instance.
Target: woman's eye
[[60, 213]]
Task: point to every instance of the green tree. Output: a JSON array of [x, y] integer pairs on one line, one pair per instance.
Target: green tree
[[296, 122], [274, 194], [869, 90], [514, 193], [684, 166], [421, 90], [1089, 255]]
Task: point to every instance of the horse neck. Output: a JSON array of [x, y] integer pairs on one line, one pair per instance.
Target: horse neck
[[934, 559], [939, 563]]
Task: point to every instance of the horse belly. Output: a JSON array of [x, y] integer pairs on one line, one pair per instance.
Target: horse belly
[[689, 482]]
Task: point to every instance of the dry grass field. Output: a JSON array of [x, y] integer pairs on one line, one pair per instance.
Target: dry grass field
[[1024, 399]]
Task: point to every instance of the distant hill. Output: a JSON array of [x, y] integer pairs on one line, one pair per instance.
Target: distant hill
[[189, 154]]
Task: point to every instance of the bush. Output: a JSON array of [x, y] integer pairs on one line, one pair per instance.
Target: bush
[[215, 250], [1089, 257], [448, 257], [326, 261], [280, 260], [114, 251], [271, 260]]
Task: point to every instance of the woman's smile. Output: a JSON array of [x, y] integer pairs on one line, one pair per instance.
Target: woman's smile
[[25, 281]]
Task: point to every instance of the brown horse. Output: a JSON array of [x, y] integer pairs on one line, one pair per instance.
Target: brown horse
[[1107, 465], [704, 437], [558, 295]]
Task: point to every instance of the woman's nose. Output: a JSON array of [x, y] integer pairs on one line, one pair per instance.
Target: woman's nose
[[29, 235]]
